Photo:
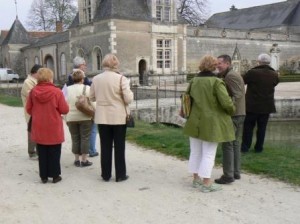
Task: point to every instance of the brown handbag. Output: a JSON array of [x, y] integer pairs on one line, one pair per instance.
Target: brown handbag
[[83, 104]]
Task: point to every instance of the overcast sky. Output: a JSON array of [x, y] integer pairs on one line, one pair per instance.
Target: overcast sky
[[8, 9]]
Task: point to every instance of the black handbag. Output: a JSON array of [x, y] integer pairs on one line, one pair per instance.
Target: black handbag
[[129, 118], [129, 121]]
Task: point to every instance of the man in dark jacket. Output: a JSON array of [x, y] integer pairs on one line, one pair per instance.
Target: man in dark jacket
[[78, 63], [261, 81]]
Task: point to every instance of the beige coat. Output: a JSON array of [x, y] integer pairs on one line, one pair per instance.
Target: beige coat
[[105, 90], [28, 84]]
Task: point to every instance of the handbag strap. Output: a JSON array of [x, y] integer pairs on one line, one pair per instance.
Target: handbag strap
[[84, 89], [122, 95], [189, 87]]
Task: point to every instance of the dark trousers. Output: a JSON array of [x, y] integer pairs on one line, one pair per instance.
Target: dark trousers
[[49, 160], [232, 150], [112, 135], [252, 119], [31, 145]]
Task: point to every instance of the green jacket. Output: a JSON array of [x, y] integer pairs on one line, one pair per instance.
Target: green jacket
[[210, 117]]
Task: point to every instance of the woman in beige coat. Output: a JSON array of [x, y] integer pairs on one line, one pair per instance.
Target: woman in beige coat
[[112, 94]]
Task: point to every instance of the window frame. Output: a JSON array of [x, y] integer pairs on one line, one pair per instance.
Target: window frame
[[164, 54], [163, 10]]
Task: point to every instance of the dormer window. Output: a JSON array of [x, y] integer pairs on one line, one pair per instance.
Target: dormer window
[[163, 10], [87, 11]]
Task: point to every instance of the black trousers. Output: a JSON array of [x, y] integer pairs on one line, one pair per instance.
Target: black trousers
[[49, 160], [251, 120], [112, 135]]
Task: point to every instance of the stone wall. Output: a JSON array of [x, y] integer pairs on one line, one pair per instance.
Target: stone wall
[[287, 109], [202, 41]]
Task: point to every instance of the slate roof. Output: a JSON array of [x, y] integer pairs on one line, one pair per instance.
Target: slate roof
[[17, 34], [125, 9], [75, 21], [263, 16], [3, 35], [52, 39]]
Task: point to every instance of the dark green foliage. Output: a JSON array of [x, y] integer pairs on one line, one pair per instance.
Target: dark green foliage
[[290, 78]]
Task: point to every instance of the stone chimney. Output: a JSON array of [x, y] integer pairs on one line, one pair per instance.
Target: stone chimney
[[59, 26]]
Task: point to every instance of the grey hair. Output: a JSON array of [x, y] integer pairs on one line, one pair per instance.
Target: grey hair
[[264, 59], [77, 61]]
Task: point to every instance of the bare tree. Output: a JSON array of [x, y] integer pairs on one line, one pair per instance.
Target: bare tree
[[44, 14], [193, 11]]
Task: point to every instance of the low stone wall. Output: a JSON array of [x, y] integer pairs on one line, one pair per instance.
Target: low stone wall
[[13, 91], [287, 109]]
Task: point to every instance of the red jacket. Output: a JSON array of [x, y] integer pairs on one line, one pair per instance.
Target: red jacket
[[46, 104]]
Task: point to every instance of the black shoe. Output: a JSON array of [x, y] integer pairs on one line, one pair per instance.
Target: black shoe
[[122, 178], [237, 176], [44, 180], [94, 154], [33, 156], [56, 179], [224, 180], [86, 163], [77, 163]]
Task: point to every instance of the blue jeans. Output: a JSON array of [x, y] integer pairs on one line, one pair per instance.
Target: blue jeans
[[93, 137]]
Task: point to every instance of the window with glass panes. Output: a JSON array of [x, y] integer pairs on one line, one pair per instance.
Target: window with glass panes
[[163, 10], [163, 53], [87, 11]]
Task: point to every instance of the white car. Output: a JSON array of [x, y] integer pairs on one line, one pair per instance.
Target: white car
[[7, 74]]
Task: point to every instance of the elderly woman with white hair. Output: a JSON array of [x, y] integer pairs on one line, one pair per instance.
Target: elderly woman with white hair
[[261, 81], [112, 94]]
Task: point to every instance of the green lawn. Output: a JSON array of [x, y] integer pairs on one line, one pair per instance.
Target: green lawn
[[281, 162], [11, 100]]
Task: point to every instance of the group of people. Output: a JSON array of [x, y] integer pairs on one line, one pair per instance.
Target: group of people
[[46, 106], [221, 112]]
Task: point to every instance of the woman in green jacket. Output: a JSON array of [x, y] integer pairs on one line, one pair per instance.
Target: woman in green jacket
[[209, 122]]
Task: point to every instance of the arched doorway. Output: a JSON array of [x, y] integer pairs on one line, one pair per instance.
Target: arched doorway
[[143, 77], [49, 63]]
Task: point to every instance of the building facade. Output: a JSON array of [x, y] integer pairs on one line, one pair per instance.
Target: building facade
[[154, 43]]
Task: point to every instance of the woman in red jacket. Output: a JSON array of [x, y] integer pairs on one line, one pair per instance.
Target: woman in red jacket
[[46, 104]]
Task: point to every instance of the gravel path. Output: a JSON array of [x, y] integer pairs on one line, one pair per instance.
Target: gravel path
[[158, 191]]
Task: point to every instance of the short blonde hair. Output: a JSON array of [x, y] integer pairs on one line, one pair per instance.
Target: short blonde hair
[[45, 75], [77, 75], [208, 63], [110, 62]]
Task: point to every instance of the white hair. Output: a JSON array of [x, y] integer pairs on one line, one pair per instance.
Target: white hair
[[264, 59], [77, 61]]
